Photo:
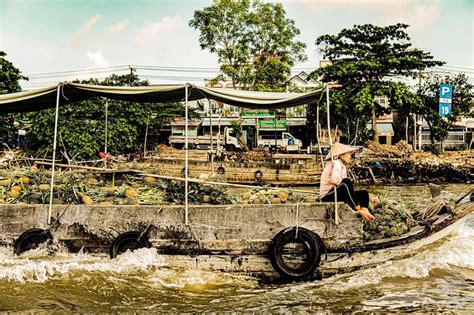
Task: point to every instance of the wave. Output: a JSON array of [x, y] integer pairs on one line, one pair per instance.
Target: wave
[[37, 266]]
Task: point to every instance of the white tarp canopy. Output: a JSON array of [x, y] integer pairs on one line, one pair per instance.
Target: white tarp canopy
[[73, 92]]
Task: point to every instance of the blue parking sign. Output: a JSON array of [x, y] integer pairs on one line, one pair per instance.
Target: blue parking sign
[[445, 99], [444, 109], [445, 90]]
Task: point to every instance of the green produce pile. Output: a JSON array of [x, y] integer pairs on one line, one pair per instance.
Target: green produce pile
[[32, 186], [392, 219], [268, 195]]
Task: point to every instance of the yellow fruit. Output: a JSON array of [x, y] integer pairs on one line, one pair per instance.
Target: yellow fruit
[[131, 193], [389, 212], [14, 193], [105, 203], [206, 198], [149, 179], [16, 188], [87, 200], [93, 181], [44, 187], [25, 180], [282, 195], [34, 168], [276, 200], [5, 182]]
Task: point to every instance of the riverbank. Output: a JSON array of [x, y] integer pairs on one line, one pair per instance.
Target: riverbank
[[399, 164]]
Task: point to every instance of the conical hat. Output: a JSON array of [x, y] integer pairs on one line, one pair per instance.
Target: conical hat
[[339, 149]]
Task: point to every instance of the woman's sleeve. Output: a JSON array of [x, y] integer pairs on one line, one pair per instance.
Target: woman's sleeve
[[336, 176]]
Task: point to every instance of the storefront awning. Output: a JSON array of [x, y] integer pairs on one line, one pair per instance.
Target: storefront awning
[[384, 129]]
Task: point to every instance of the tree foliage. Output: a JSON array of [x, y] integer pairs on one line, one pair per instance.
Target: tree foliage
[[255, 43], [364, 59], [81, 126], [9, 83], [462, 103]]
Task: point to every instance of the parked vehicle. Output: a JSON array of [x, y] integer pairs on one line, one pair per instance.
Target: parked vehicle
[[283, 141], [228, 139]]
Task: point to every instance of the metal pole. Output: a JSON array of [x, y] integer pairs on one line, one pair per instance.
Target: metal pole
[[212, 146], [336, 216], [186, 183], [420, 129], [275, 118], [106, 131], [414, 132], [219, 140], [56, 115], [318, 136]]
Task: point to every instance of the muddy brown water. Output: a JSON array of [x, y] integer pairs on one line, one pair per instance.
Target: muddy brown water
[[438, 278]]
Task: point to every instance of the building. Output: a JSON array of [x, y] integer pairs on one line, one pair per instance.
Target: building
[[384, 122]]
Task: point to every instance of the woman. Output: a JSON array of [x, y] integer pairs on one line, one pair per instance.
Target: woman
[[334, 177]]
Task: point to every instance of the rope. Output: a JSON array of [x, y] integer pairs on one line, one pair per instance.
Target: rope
[[296, 219]]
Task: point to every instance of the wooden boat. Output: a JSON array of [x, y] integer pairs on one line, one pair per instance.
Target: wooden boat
[[289, 241]]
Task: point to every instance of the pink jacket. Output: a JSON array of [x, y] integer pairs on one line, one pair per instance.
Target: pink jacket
[[332, 176]]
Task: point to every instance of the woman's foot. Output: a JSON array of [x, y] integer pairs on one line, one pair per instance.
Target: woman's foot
[[365, 213]]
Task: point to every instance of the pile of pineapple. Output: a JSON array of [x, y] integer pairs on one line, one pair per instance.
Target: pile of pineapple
[[32, 186]]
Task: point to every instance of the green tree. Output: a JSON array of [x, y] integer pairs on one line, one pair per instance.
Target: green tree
[[255, 43], [462, 103], [9, 83], [364, 59], [82, 125]]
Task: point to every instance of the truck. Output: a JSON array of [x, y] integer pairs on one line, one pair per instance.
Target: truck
[[283, 141], [228, 140]]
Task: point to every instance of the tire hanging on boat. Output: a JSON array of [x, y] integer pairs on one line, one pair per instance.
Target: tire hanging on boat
[[128, 241], [312, 247], [31, 239]]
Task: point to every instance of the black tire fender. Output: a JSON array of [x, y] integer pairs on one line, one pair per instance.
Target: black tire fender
[[128, 240], [31, 239], [258, 175], [312, 245]]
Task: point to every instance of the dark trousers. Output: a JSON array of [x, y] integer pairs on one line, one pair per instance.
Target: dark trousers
[[346, 193]]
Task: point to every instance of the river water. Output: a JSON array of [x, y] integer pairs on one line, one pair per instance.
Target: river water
[[438, 278]]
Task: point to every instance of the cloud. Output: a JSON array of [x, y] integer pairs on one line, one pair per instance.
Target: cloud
[[80, 35], [420, 15], [151, 31], [98, 59], [118, 27]]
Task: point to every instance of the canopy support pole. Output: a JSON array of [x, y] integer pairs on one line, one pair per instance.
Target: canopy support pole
[[211, 135], [320, 154], [106, 131], [56, 115], [336, 215], [186, 166]]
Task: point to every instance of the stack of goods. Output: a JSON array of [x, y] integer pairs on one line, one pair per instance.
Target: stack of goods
[[401, 150], [392, 219], [31, 185], [270, 196]]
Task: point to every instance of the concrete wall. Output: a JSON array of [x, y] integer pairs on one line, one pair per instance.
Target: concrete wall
[[228, 229]]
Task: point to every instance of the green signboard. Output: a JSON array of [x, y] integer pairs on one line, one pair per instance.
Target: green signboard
[[270, 124], [256, 113]]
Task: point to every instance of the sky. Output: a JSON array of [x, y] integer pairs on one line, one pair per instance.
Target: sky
[[46, 36]]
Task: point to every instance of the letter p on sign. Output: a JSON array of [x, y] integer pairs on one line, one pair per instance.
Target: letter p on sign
[[446, 91]]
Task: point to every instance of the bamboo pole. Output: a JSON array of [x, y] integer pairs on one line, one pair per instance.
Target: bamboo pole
[[336, 216], [201, 181], [186, 166], [56, 115]]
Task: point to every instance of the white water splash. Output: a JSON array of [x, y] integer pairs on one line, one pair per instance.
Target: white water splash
[[35, 266], [457, 250]]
